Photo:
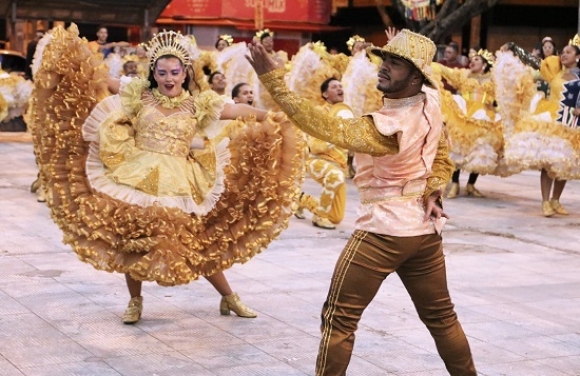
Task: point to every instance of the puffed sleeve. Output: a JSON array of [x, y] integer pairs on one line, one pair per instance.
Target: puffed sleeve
[[550, 67], [358, 134], [130, 93], [208, 107]]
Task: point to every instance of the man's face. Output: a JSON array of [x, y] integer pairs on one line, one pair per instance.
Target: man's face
[[131, 69], [245, 95], [102, 34], [334, 94], [450, 54], [268, 44], [395, 76], [218, 82]]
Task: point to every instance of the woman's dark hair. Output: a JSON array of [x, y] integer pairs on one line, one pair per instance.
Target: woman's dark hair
[[542, 49], [325, 85], [236, 89], [264, 35], [577, 49], [217, 42], [188, 77]]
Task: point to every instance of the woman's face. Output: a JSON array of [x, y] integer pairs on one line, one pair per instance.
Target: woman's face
[[569, 57], [268, 43], [548, 48], [170, 75], [476, 64], [221, 44]]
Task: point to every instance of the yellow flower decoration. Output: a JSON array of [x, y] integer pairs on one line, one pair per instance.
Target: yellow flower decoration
[[488, 56], [265, 31], [352, 41], [228, 38]]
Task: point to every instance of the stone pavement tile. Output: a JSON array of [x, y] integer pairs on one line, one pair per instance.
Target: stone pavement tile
[[540, 347], [493, 331], [519, 368], [289, 349], [260, 329], [170, 364], [8, 369], [139, 343], [224, 355], [88, 367], [260, 369], [363, 367], [184, 339], [564, 308], [488, 353], [10, 306], [570, 365], [34, 351]]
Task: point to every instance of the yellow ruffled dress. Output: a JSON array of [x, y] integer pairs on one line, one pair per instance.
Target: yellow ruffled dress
[[127, 192], [535, 137], [473, 125]]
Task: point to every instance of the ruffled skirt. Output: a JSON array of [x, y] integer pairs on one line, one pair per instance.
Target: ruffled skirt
[[156, 243]]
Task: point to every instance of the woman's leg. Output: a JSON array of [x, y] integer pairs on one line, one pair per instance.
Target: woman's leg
[[230, 301], [135, 307], [546, 187], [556, 193], [454, 190]]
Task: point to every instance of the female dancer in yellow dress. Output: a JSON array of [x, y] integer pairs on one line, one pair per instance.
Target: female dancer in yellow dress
[[543, 135], [134, 181], [472, 121]]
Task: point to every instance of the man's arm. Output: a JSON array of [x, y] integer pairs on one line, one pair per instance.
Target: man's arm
[[441, 170], [358, 134]]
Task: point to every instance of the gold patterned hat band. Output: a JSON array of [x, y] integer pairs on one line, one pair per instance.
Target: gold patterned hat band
[[169, 43], [488, 56], [575, 41], [352, 41]]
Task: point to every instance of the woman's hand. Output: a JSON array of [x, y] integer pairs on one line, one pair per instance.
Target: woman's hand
[[260, 60], [391, 32], [576, 111]]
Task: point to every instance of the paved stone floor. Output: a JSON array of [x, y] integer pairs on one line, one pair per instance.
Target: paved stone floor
[[514, 276]]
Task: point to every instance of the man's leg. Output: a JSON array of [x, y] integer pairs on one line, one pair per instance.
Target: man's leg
[[364, 263], [424, 277]]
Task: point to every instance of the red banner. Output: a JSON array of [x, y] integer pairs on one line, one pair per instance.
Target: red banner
[[315, 11]]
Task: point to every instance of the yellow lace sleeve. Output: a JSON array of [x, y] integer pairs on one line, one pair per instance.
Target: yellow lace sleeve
[[130, 95], [442, 168], [208, 107], [3, 108], [550, 67], [357, 134], [454, 76]]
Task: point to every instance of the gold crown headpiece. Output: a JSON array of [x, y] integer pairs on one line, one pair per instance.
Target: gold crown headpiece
[[169, 43], [575, 41], [228, 38], [131, 57], [259, 33], [488, 56], [352, 41]]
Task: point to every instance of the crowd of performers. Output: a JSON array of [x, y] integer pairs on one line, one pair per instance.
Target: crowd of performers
[[221, 191]]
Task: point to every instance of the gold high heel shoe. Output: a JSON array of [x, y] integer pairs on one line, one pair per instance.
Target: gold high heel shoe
[[233, 303], [472, 191], [453, 191], [547, 209], [558, 208], [134, 309]]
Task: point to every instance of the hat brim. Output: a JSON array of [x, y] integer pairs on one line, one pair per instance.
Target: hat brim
[[383, 54]]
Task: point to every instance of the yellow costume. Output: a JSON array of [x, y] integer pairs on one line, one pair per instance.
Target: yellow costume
[[473, 125], [134, 198], [326, 164], [15, 91], [539, 134]]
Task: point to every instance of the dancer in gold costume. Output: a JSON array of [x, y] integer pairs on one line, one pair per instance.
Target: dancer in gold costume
[[135, 181]]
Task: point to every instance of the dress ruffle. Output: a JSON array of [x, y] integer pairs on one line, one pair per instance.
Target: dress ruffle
[[360, 85], [156, 243], [533, 138]]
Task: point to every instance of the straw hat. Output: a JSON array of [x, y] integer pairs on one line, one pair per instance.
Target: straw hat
[[417, 49]]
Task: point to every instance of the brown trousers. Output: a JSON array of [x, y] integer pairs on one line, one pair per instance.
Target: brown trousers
[[365, 262]]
